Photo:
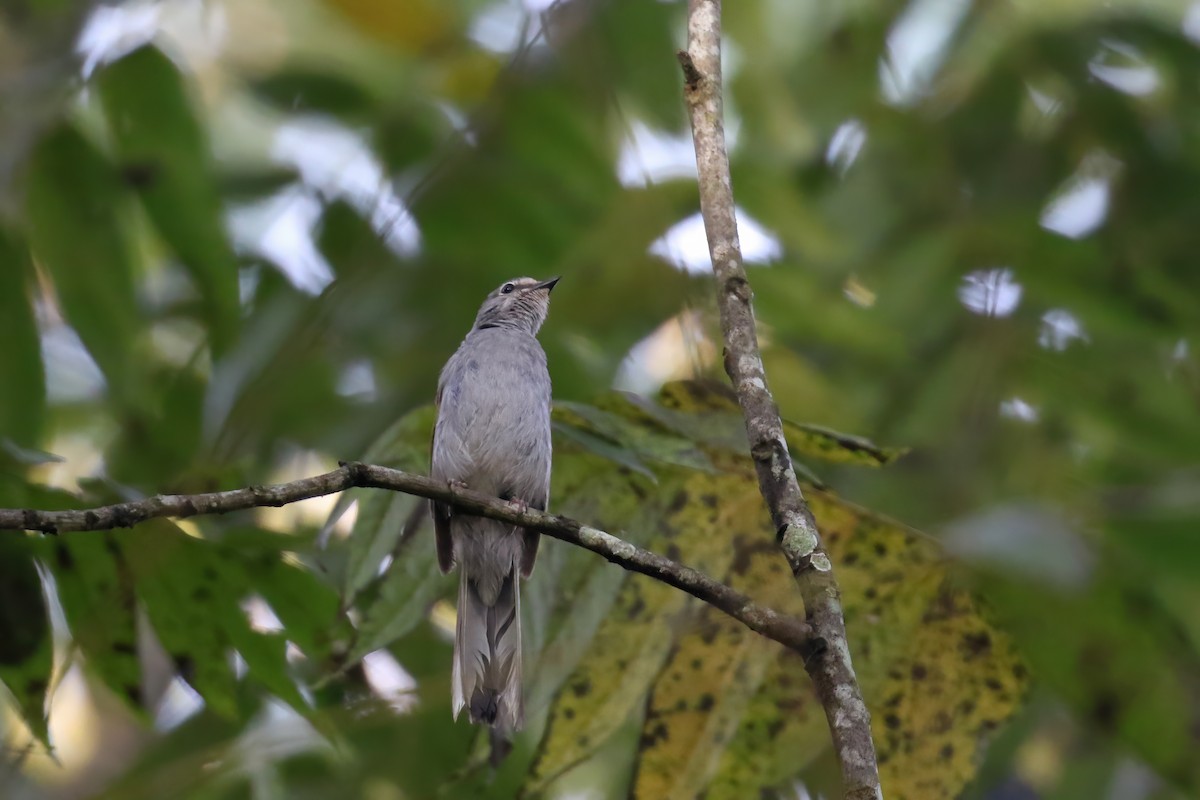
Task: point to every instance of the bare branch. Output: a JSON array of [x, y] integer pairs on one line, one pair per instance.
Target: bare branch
[[831, 670], [784, 629]]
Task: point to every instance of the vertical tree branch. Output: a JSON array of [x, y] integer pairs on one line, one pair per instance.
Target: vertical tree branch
[[830, 668]]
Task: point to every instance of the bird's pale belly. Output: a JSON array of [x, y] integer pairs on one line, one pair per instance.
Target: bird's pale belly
[[502, 444]]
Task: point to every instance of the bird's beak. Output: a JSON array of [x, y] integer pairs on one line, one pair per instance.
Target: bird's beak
[[548, 285]]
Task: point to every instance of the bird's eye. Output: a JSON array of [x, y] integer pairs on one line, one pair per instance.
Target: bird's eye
[[507, 288]]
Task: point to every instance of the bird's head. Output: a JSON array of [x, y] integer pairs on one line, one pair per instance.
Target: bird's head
[[521, 303]]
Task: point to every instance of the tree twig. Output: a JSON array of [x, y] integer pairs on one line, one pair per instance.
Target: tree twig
[[784, 629], [831, 669]]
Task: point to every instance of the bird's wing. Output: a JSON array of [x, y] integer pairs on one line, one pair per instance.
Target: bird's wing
[[529, 549], [441, 512], [539, 500]]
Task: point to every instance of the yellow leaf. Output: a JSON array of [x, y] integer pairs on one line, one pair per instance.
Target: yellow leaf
[[414, 25], [726, 712], [937, 677], [959, 679], [466, 76], [636, 637], [715, 670]]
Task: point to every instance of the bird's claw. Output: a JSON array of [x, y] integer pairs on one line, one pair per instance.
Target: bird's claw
[[457, 485], [519, 505]]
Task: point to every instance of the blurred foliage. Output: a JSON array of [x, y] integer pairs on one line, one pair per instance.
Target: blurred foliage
[[238, 240]]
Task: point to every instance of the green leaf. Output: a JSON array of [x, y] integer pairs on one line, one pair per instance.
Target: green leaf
[[408, 135], [573, 588], [26, 456], [165, 156], [401, 600], [306, 605], [584, 605], [26, 647], [601, 447], [708, 412], [192, 590], [265, 655], [1122, 664], [250, 184], [303, 89], [616, 426], [838, 447], [23, 406], [164, 442], [96, 589], [382, 515], [638, 42], [76, 231], [192, 604]]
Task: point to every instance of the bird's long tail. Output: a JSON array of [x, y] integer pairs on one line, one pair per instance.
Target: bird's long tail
[[487, 654]]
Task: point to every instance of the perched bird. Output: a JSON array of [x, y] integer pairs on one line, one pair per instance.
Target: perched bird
[[493, 435]]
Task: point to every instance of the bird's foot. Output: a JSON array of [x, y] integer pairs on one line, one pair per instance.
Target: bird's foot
[[457, 485], [518, 505]]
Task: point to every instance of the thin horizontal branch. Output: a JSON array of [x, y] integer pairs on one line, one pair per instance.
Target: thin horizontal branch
[[784, 629], [831, 670]]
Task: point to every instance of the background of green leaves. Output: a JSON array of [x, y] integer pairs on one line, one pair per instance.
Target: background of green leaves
[[244, 254]]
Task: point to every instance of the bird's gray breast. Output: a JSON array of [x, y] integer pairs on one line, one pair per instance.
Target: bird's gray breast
[[493, 427]]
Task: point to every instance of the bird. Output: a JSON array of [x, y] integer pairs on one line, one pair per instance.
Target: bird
[[492, 435]]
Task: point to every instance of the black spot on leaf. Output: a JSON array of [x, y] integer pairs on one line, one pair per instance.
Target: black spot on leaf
[[976, 644], [140, 175], [1106, 710], [654, 734], [62, 556]]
